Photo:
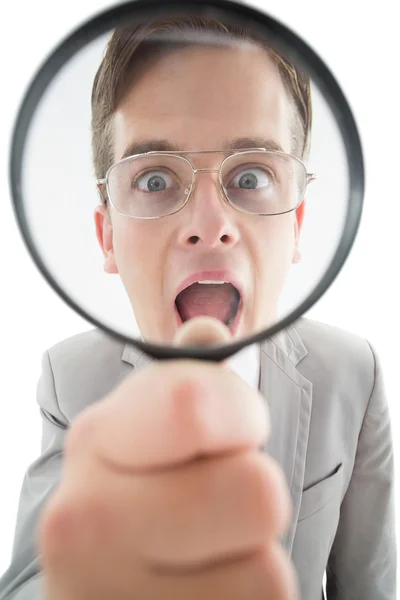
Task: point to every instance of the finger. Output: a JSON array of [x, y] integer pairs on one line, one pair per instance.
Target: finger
[[202, 331], [170, 413], [191, 515], [214, 508], [264, 575], [77, 575]]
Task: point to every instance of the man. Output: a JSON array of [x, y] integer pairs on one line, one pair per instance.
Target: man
[[163, 491]]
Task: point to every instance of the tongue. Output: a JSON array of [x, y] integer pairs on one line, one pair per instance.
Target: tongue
[[212, 300]]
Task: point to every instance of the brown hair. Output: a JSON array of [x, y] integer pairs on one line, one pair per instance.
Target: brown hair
[[133, 48]]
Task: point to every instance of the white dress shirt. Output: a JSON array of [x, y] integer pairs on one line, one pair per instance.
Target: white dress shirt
[[246, 364]]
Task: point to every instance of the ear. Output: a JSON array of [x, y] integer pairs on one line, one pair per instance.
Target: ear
[[104, 235], [297, 228]]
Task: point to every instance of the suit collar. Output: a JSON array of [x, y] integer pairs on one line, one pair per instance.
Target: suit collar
[[288, 395], [137, 358], [283, 346]]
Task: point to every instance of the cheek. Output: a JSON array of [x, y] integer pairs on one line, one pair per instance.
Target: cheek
[[275, 244], [136, 249]]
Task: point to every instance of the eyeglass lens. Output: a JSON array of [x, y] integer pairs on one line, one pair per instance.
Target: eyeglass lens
[[158, 185]]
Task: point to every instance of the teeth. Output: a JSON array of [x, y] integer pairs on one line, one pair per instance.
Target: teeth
[[206, 281]]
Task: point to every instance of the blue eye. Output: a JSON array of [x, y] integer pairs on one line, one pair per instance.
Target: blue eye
[[154, 181], [251, 179]]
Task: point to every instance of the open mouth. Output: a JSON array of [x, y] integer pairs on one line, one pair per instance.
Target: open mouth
[[218, 299]]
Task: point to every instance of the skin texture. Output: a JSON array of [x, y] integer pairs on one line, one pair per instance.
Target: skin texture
[[199, 99], [168, 496], [164, 492]]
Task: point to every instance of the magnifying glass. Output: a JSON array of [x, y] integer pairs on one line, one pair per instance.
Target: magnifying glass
[[172, 161]]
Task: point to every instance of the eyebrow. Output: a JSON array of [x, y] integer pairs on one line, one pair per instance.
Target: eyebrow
[[141, 147], [162, 145]]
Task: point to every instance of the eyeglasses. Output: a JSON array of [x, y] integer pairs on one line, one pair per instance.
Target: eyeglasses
[[157, 184]]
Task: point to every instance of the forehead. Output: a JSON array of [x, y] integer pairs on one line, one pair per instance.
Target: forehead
[[201, 98]]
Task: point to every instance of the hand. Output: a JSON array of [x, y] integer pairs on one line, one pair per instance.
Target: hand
[[165, 494]]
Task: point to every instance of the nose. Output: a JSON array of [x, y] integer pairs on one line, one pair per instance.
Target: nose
[[209, 221]]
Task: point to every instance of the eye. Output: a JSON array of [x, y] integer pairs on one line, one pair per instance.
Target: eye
[[154, 181], [252, 178]]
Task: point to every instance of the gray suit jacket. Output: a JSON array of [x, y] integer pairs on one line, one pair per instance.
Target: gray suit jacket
[[330, 432]]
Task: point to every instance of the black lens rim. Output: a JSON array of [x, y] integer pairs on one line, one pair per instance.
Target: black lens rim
[[235, 13]]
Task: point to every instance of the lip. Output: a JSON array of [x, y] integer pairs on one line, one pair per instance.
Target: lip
[[225, 275]]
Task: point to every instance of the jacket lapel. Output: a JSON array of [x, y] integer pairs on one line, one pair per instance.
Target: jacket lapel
[[135, 357], [289, 399]]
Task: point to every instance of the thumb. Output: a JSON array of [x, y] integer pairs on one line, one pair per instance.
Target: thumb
[[206, 331], [202, 331]]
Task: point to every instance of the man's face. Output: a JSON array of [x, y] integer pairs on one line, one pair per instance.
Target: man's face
[[203, 99]]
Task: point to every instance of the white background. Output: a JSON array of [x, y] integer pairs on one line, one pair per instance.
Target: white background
[[360, 43]]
